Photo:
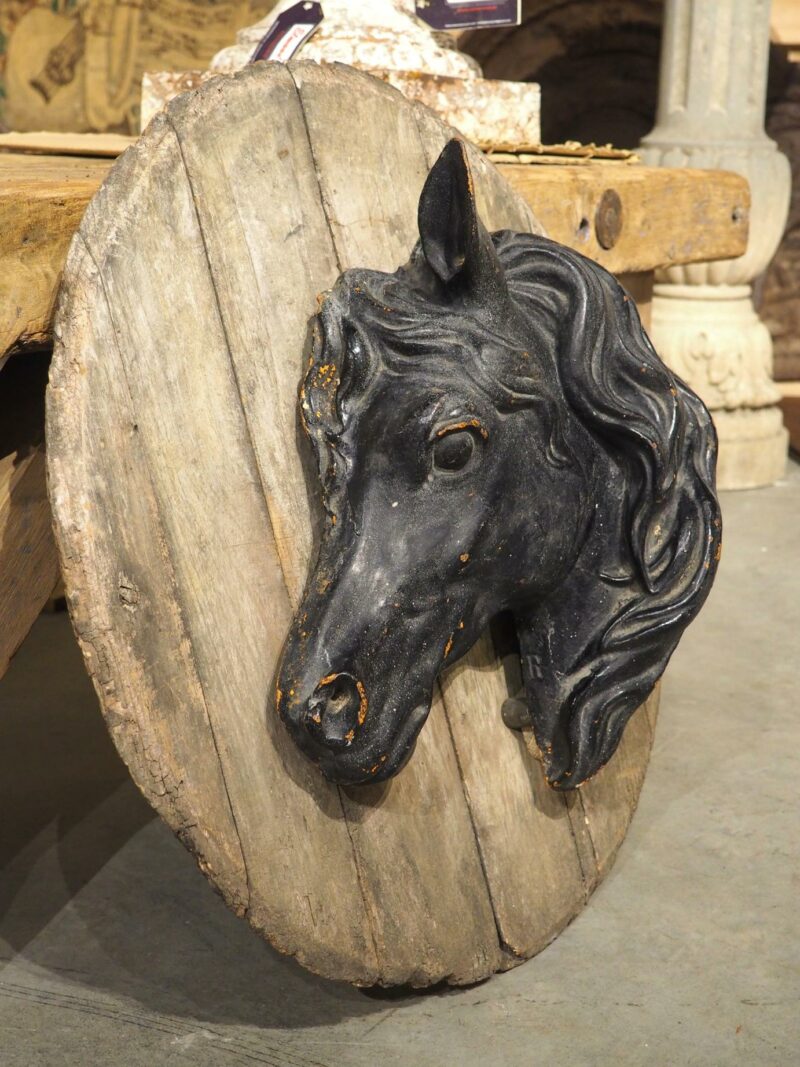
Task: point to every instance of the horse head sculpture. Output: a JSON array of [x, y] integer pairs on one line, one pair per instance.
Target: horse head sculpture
[[494, 432]]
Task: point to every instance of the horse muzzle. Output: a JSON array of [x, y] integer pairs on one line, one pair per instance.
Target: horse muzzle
[[360, 662], [333, 723]]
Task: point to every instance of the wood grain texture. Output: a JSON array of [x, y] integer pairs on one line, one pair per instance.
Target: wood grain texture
[[414, 841], [42, 201], [532, 869], [607, 802], [229, 587], [184, 524], [521, 825], [669, 215], [122, 587], [48, 143]]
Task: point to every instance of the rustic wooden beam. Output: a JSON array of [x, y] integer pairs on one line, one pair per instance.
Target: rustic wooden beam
[[53, 143], [658, 217], [633, 218], [42, 201]]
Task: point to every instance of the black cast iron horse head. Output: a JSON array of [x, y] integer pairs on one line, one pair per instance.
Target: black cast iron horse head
[[494, 431]]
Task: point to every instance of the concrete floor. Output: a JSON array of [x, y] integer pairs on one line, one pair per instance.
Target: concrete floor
[[114, 950]]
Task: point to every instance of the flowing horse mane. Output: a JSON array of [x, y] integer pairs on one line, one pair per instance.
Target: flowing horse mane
[[594, 647]]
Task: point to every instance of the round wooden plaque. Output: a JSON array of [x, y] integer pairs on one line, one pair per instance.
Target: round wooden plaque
[[185, 531]]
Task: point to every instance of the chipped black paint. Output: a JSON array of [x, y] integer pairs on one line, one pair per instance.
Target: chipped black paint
[[494, 431]]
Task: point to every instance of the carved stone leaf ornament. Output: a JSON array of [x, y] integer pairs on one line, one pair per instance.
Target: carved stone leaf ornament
[[187, 514]]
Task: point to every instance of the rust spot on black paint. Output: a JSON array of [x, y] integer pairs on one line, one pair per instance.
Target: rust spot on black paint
[[362, 708], [467, 424]]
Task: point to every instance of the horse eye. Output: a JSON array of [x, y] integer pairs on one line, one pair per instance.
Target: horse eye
[[453, 451]]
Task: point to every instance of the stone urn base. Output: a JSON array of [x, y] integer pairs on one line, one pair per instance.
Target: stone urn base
[[753, 444], [712, 337]]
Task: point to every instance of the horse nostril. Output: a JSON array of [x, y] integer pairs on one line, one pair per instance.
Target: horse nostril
[[335, 711]]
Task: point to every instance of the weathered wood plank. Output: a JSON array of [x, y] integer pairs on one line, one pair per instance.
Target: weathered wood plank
[[421, 869], [668, 215], [121, 585], [301, 878], [609, 800], [223, 169], [522, 827], [49, 143], [42, 202], [241, 233], [521, 824], [414, 841]]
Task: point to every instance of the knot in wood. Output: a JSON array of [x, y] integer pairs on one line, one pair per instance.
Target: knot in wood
[[608, 219]]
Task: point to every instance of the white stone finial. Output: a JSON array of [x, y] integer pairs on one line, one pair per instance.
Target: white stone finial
[[386, 39], [371, 34]]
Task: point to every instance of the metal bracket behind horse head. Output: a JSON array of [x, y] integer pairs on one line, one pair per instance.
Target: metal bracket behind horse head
[[493, 432]]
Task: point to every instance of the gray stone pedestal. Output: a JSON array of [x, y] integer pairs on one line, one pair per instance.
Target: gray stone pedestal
[[711, 114]]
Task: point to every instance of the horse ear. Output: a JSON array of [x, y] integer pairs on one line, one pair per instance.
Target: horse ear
[[455, 242]]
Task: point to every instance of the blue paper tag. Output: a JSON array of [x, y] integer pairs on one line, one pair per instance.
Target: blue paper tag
[[288, 32], [460, 14]]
